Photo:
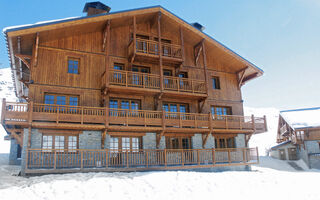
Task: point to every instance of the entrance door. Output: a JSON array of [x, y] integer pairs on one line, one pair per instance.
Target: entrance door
[[292, 153], [282, 154]]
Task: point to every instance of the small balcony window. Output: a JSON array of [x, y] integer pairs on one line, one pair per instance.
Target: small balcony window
[[216, 83]]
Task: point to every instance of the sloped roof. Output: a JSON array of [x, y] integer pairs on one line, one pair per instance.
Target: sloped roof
[[302, 118], [281, 144]]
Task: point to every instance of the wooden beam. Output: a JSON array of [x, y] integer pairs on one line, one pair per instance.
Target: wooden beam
[[250, 77], [107, 60], [240, 75], [105, 35], [36, 50], [205, 66], [159, 136], [205, 139], [182, 46], [198, 55], [160, 51], [103, 137], [24, 82], [24, 58]]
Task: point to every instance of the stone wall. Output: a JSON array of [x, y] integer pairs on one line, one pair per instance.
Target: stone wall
[[13, 160], [90, 140], [149, 141]]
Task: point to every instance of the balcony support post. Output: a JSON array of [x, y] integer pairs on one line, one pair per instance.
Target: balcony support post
[[205, 66], [107, 50], [182, 45], [265, 123], [253, 123], [160, 51]]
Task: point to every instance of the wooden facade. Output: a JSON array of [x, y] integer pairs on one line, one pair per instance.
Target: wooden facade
[[128, 73]]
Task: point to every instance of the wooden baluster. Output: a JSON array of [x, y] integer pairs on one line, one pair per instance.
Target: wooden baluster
[[57, 114], [198, 157], [253, 123], [81, 159], [210, 121], [182, 157], [126, 79], [244, 155], [55, 160], [127, 153], [226, 121], [192, 86], [229, 156], [145, 118], [180, 121], [240, 124], [147, 161], [82, 115], [165, 158], [213, 156]]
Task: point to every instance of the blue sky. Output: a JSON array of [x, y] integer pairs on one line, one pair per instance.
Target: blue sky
[[281, 37]]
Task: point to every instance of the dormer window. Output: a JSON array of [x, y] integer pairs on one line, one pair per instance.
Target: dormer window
[[73, 65]]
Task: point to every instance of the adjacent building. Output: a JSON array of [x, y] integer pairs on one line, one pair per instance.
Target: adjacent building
[[299, 136], [132, 90]]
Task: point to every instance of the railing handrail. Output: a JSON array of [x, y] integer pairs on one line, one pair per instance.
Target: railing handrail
[[157, 42], [217, 149], [130, 110]]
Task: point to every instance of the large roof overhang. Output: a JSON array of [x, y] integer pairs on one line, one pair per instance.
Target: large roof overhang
[[29, 31]]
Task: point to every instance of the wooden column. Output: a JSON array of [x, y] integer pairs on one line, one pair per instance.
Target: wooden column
[[205, 66], [134, 34], [107, 53], [182, 45], [36, 50], [160, 51]]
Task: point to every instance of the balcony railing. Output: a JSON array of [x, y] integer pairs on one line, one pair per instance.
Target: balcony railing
[[35, 112], [150, 47], [152, 81], [159, 159]]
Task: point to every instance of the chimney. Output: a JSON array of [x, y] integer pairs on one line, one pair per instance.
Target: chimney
[[198, 26], [94, 8]]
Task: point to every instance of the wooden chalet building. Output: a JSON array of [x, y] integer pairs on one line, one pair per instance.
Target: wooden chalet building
[[132, 90], [299, 136]]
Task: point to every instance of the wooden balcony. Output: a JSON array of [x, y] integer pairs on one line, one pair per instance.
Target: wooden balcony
[[99, 118], [84, 160], [126, 81], [148, 50]]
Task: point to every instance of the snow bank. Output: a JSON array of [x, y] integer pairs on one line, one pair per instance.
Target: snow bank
[[263, 183]]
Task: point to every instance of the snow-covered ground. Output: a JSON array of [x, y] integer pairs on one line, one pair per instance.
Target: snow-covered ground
[[273, 179]]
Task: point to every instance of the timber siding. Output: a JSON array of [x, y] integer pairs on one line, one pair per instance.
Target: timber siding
[[179, 64]]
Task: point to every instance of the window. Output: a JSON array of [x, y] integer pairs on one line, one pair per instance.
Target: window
[[216, 83], [183, 142], [126, 104], [60, 142], [218, 111], [139, 79], [168, 82], [73, 65], [125, 143], [61, 99], [117, 74], [225, 142]]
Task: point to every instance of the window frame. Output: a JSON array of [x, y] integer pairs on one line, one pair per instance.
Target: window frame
[[223, 142], [67, 98], [216, 83], [65, 142], [73, 59], [120, 143], [177, 142], [216, 113]]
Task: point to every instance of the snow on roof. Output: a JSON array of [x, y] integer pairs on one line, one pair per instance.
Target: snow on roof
[[37, 23], [280, 145], [302, 118]]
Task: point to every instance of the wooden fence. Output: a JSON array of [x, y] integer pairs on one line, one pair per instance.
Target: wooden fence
[[111, 160]]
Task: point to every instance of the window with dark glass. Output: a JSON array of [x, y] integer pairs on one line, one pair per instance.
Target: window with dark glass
[[219, 111], [224, 142], [125, 104], [174, 108], [168, 82], [137, 78], [117, 75], [141, 43], [216, 83], [73, 65], [178, 142]]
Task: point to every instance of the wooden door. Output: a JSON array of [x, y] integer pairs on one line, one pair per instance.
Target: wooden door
[[292, 153], [282, 154]]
